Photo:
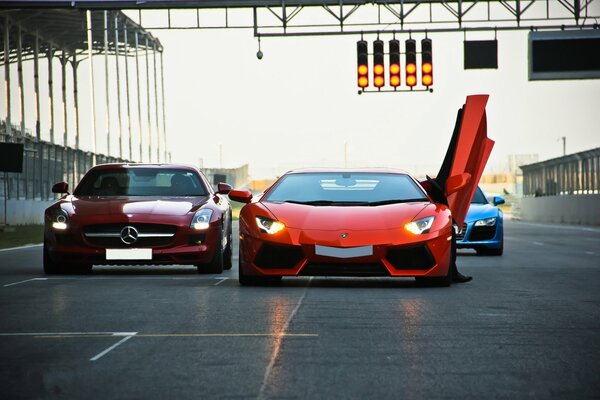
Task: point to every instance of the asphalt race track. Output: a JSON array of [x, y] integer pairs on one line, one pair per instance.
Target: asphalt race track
[[527, 326]]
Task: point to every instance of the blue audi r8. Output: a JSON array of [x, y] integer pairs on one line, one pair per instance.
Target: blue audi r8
[[483, 229]]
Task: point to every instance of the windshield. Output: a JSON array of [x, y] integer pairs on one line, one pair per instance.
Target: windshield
[[141, 182], [346, 189], [479, 197]]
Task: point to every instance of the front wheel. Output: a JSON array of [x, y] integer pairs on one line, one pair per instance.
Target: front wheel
[[228, 253], [50, 266], [215, 266]]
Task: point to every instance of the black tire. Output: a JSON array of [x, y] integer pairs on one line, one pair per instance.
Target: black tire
[[50, 266], [215, 266], [228, 252], [246, 280]]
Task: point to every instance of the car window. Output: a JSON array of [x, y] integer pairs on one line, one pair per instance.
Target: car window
[[141, 182], [479, 197], [346, 187]]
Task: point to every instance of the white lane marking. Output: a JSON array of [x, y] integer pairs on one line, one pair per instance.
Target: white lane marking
[[275, 354], [25, 281], [66, 334], [591, 253], [27, 246], [221, 281], [114, 346], [538, 243]]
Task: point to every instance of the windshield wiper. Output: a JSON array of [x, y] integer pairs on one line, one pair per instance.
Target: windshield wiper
[[394, 201], [328, 203]]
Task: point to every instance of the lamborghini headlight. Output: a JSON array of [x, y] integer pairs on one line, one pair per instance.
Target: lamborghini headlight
[[420, 225], [269, 226], [60, 220], [486, 222], [201, 220]]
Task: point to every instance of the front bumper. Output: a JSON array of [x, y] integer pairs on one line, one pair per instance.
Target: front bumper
[[480, 237], [186, 246], [429, 256]]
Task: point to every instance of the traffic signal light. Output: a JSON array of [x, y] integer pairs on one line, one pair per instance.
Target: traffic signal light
[[362, 54], [378, 66], [411, 62], [426, 63], [394, 63]]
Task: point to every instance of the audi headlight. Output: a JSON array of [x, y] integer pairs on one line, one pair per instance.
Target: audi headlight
[[60, 219], [420, 225], [269, 226], [486, 222], [201, 220]]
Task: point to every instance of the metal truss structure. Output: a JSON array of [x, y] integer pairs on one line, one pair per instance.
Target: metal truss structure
[[335, 17], [73, 36]]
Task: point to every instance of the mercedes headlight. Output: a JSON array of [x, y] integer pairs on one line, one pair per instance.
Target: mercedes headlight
[[269, 226], [486, 222], [201, 220], [420, 225], [60, 219]]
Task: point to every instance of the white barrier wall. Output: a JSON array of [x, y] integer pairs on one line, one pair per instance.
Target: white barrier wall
[[24, 212], [583, 209]]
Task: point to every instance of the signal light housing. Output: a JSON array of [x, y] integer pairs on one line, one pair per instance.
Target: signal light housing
[[426, 62], [394, 46], [362, 56], [411, 62], [378, 66]]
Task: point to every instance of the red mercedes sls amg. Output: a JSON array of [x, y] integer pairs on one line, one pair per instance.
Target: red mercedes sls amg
[[364, 222], [139, 214]]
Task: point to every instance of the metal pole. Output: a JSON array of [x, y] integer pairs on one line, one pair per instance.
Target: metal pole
[[20, 79], [162, 79], [38, 131], [88, 14], [127, 93], [63, 60], [107, 113], [139, 102], [118, 86], [7, 79], [36, 88], [51, 92], [148, 104], [156, 106], [74, 66]]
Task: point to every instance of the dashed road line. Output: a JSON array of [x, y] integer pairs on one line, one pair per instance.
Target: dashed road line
[[591, 253], [128, 335], [27, 246], [277, 346], [538, 243], [220, 281], [25, 281]]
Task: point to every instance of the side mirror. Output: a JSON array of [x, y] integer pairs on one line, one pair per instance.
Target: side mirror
[[60, 187], [497, 200], [242, 196], [457, 182], [223, 188]]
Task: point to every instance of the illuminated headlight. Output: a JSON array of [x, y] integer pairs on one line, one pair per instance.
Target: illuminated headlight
[[60, 220], [269, 226], [420, 226], [201, 220], [486, 222]]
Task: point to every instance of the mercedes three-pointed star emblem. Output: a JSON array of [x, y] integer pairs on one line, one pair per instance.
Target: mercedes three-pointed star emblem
[[129, 235]]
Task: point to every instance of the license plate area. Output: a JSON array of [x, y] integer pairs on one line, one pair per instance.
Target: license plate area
[[343, 252], [129, 254]]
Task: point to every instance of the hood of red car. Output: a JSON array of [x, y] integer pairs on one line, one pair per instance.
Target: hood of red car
[[309, 217], [94, 205]]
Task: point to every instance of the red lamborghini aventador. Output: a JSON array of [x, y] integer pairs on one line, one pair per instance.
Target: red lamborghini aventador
[[364, 222], [139, 214]]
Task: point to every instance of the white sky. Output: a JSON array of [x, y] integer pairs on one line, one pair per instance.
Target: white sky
[[298, 105]]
